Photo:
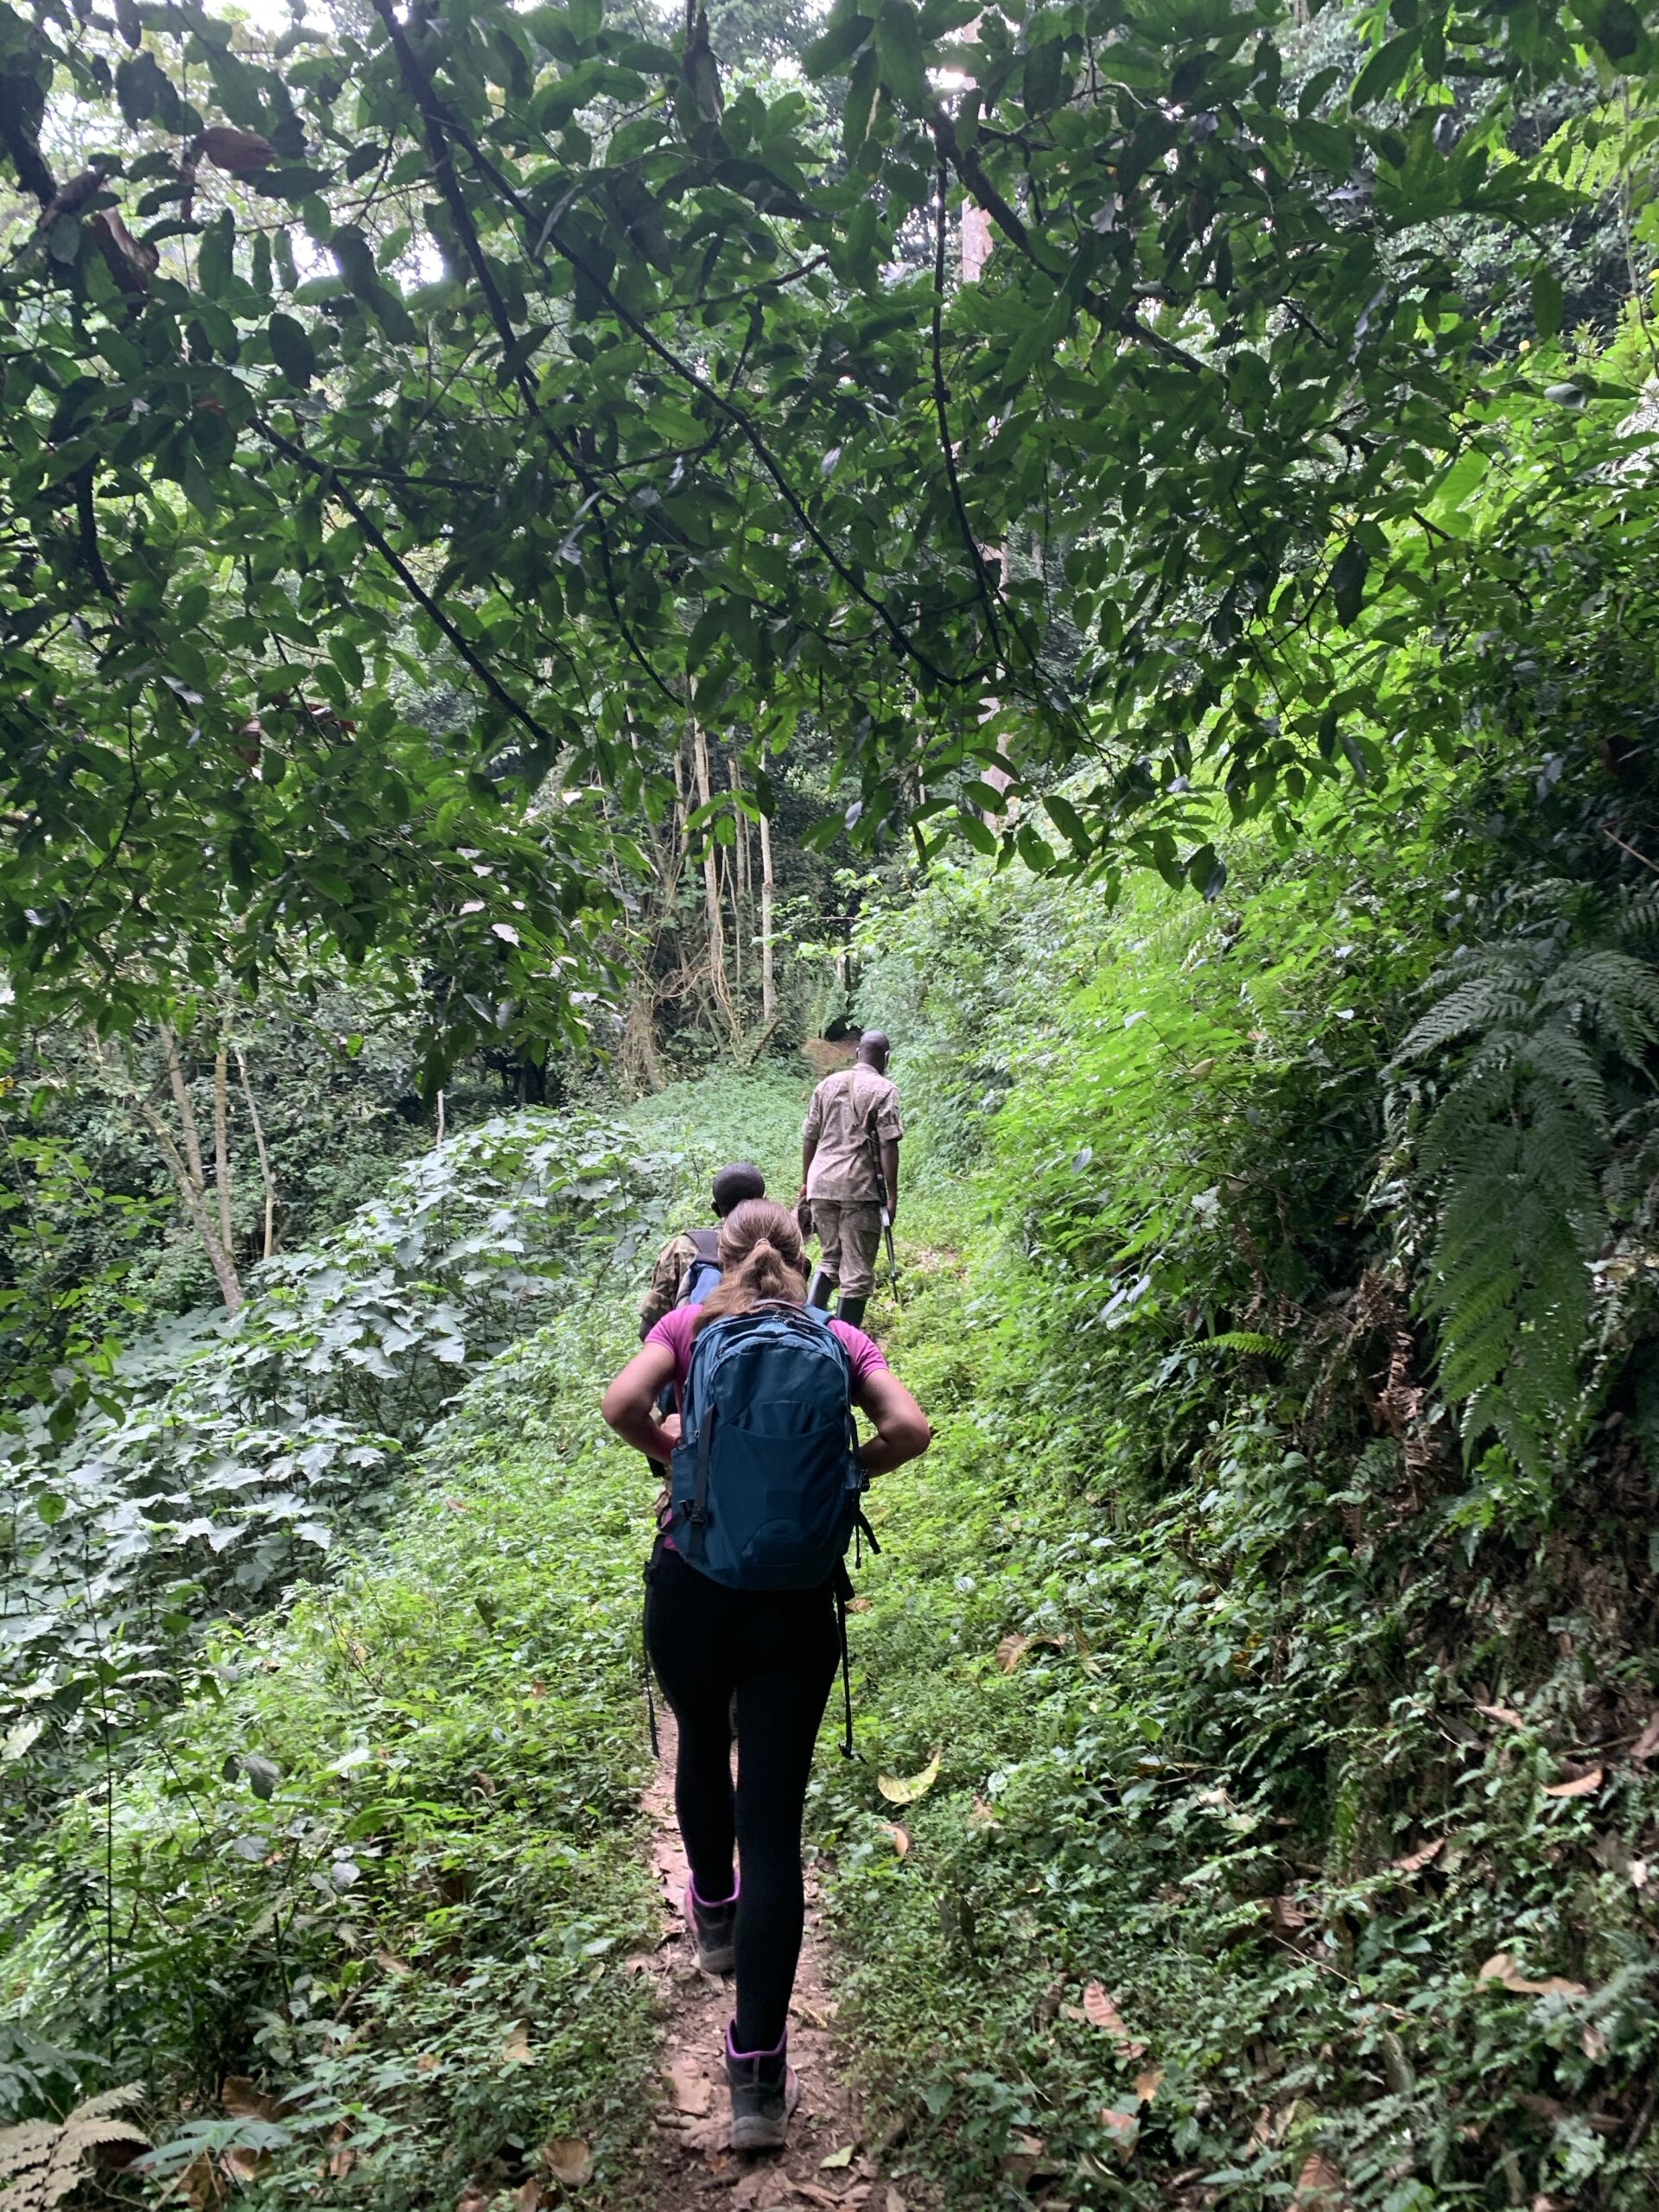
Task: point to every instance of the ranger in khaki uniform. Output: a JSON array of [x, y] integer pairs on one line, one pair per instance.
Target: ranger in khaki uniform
[[849, 1146]]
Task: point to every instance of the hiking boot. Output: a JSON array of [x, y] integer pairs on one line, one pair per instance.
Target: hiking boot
[[851, 1310], [765, 2089], [714, 1929]]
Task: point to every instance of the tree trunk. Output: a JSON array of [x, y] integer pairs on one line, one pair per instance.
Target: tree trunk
[[768, 993], [221, 1149], [264, 1157], [975, 253], [184, 1164], [711, 886], [180, 1090], [739, 878]]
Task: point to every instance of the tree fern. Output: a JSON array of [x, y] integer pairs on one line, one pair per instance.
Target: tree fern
[[42, 2160], [1513, 1148]]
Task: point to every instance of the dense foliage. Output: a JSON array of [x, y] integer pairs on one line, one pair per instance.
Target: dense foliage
[[500, 505], [522, 347], [1293, 1694]]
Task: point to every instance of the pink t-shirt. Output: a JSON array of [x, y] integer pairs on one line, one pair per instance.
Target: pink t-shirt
[[675, 1329]]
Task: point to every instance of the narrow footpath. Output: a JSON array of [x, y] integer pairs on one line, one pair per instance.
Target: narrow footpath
[[692, 2166]]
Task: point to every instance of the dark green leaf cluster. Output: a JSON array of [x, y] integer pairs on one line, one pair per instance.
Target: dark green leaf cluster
[[514, 346]]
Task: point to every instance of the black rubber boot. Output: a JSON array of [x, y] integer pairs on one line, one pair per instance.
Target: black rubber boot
[[765, 2091], [820, 1290], [851, 1310]]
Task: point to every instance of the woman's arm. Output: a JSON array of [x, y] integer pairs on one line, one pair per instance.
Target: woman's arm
[[628, 1404], [901, 1429]]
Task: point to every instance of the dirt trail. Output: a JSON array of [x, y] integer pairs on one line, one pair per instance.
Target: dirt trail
[[693, 2169]]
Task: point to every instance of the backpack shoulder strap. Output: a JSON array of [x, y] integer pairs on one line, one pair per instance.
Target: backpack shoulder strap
[[707, 1242]]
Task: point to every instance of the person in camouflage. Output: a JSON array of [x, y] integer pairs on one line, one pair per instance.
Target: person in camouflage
[[731, 1186]]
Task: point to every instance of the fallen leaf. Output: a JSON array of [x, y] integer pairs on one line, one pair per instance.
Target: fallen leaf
[[842, 2158], [1012, 1649], [1550, 2110], [907, 1789], [1648, 1742], [814, 2194], [900, 1835], [1501, 1968], [342, 2159], [754, 2192], [389, 1962], [568, 2159], [428, 2063], [1286, 1915], [1592, 2042], [1148, 2084], [690, 2087], [244, 2099], [1122, 2126], [1414, 1860], [1581, 1787], [895, 2203], [1506, 1713], [243, 2165], [516, 2051], [237, 152], [640, 1962], [199, 2185], [529, 2197], [1318, 2186], [1019, 2163], [858, 1605], [981, 1814], [1099, 2008]]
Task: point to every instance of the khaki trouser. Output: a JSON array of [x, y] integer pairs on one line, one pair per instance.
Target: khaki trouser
[[849, 1239]]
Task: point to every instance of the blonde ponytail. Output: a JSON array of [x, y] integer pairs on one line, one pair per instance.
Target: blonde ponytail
[[762, 1259]]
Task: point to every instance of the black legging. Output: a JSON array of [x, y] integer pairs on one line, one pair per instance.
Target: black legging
[[778, 1650]]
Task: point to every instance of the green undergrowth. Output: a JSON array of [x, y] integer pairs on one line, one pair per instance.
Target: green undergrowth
[[705, 1124], [387, 1872], [1294, 1832], [1200, 1786]]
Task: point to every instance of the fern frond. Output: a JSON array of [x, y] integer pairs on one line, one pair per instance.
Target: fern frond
[[1619, 996], [1638, 922], [1478, 1002], [106, 2102], [42, 2161], [1555, 1057], [25, 2146]]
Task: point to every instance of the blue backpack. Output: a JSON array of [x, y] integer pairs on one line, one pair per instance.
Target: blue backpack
[[763, 1484], [703, 1270]]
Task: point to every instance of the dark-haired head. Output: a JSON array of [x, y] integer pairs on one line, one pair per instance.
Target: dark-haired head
[[734, 1184], [873, 1048], [762, 1259]]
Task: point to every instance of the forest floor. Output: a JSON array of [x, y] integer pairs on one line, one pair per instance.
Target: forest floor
[[693, 2167]]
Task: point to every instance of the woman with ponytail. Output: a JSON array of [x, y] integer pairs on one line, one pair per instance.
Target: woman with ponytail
[[774, 1650]]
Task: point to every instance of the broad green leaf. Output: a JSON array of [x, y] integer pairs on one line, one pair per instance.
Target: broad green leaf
[[291, 349], [899, 46]]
